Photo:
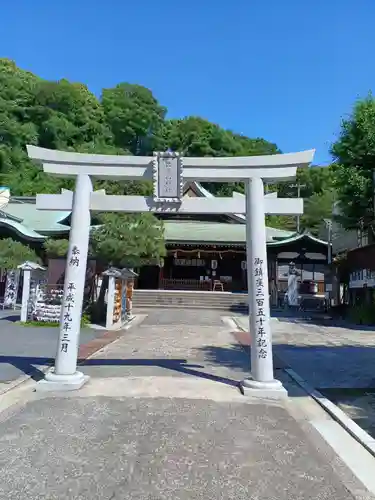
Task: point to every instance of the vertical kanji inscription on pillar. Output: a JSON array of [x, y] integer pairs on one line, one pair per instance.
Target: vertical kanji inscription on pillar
[[260, 332]]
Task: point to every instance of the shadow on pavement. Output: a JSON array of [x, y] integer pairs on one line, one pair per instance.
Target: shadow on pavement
[[29, 366], [12, 318], [343, 373], [177, 365], [235, 356]]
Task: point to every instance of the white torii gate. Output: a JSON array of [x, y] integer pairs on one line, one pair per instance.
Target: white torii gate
[[169, 171]]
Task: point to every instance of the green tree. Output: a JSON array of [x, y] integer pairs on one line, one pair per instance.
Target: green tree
[[67, 115], [194, 136], [311, 180], [354, 155], [128, 240], [135, 118], [286, 222], [56, 248], [317, 208], [16, 95], [315, 186], [127, 119], [54, 115], [14, 253]]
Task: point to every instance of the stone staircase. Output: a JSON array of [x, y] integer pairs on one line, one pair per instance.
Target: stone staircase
[[221, 301]]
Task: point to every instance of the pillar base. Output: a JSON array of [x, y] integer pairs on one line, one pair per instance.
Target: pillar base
[[266, 390], [53, 382]]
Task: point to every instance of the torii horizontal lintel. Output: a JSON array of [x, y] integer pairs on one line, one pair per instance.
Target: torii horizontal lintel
[[221, 169], [116, 203]]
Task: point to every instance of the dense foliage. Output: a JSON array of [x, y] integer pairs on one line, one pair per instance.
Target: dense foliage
[[13, 254], [128, 240], [126, 119], [354, 154], [56, 248], [121, 240]]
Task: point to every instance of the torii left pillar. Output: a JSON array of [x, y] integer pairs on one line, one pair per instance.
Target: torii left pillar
[[64, 376]]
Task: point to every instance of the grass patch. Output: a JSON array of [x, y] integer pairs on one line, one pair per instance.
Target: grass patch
[[85, 320], [38, 324]]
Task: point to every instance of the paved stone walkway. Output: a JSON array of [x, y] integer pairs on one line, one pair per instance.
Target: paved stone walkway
[[325, 356], [146, 429], [174, 344]]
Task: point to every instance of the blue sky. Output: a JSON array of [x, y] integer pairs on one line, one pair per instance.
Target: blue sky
[[286, 70]]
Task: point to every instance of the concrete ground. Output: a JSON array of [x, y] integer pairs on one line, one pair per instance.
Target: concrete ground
[[162, 417]]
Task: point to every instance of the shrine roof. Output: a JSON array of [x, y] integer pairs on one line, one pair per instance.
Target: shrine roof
[[22, 230], [297, 237], [22, 215], [214, 232]]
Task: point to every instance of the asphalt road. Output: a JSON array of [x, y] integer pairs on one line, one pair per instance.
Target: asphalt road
[[25, 349]]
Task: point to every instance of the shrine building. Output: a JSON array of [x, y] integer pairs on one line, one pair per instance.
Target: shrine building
[[202, 249]]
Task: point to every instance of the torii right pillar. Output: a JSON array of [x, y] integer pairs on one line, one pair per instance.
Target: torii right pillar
[[261, 382]]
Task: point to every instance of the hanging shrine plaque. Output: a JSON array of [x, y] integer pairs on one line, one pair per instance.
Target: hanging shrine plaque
[[168, 177]]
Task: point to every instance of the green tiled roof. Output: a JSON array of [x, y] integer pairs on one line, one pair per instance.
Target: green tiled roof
[[42, 221], [21, 229], [297, 237], [214, 232]]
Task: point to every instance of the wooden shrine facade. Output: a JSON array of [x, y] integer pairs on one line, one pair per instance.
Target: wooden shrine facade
[[223, 267]]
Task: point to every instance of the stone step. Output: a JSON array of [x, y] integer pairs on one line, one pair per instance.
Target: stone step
[[223, 308], [178, 293], [214, 300], [201, 300], [230, 309], [189, 299]]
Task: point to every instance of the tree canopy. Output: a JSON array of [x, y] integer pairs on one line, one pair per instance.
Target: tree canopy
[[128, 240], [354, 155], [125, 119], [13, 254], [121, 240]]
